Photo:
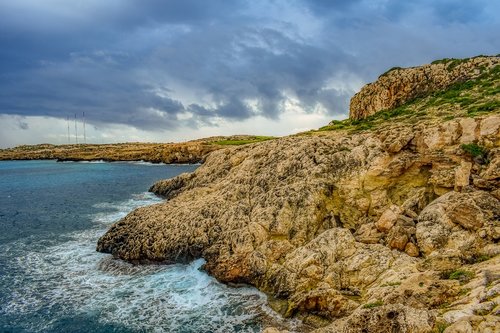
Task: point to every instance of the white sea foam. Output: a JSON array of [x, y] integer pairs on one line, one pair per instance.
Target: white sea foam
[[71, 279], [90, 162], [142, 162]]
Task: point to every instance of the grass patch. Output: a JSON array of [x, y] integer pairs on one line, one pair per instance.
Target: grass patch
[[475, 96], [493, 91], [243, 142], [474, 150], [461, 275], [450, 62], [477, 259], [484, 108], [373, 305], [467, 98], [336, 125], [369, 122]]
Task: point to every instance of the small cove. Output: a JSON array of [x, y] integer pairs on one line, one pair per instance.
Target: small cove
[[53, 280]]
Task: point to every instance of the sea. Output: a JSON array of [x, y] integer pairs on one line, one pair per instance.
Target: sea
[[53, 280]]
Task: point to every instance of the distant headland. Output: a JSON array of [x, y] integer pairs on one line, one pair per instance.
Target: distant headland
[[170, 153]]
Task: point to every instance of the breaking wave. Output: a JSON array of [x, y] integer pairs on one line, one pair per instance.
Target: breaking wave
[[70, 279]]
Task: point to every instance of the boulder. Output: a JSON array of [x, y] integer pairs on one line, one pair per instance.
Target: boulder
[[389, 218], [452, 221]]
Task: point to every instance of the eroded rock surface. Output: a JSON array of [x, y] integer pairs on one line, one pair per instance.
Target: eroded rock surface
[[401, 85], [392, 229], [330, 223]]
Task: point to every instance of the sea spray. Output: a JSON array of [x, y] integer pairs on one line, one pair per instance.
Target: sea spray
[[72, 279], [53, 280]]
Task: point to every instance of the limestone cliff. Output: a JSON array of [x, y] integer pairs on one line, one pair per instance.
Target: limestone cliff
[[401, 85], [373, 225]]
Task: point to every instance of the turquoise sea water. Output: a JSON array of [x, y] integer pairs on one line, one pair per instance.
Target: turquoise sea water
[[53, 280]]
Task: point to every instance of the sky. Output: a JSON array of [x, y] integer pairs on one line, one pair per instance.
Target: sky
[[174, 70]]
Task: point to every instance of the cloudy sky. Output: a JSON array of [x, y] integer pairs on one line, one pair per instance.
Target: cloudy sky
[[171, 70]]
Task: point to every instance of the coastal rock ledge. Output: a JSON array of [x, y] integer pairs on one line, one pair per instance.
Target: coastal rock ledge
[[391, 229]]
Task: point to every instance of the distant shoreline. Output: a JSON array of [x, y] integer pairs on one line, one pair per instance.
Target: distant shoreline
[[191, 152], [137, 162]]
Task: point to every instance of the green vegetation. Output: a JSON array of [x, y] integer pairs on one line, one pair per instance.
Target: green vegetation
[[483, 108], [245, 141], [474, 150], [453, 62], [461, 275], [373, 305], [371, 121], [463, 99], [480, 258], [390, 70]]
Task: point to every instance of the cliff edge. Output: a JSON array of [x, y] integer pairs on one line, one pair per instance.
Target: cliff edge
[[363, 226], [398, 86]]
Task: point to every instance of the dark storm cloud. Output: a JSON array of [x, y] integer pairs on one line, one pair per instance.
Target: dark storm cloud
[[150, 63]]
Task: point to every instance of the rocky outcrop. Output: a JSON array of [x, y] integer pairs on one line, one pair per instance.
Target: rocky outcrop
[[462, 224], [401, 85], [323, 222], [393, 229]]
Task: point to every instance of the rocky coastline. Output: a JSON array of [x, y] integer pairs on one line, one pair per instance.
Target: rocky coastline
[[190, 152], [386, 222]]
